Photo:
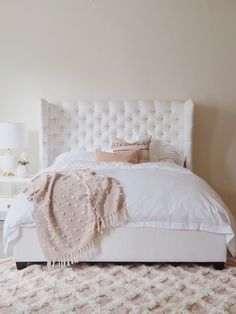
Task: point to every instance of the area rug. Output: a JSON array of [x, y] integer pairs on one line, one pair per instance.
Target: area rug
[[110, 288]]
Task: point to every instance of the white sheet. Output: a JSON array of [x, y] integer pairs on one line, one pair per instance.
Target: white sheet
[[159, 195]]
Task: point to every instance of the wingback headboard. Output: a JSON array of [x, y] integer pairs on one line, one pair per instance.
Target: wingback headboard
[[91, 125]]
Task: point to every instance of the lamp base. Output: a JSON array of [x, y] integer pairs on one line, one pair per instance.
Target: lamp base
[[8, 174], [8, 164]]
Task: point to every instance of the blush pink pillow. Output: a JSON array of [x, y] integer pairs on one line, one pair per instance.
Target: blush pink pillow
[[130, 156]]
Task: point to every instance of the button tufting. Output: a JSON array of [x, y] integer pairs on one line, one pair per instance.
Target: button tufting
[[87, 126]]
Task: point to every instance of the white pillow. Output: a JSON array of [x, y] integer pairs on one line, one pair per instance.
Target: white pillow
[[158, 152], [165, 153], [73, 156]]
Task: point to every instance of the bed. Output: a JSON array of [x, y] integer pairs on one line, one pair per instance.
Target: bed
[[90, 126]]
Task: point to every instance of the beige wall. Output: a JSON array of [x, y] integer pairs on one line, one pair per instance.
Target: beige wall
[[135, 49]]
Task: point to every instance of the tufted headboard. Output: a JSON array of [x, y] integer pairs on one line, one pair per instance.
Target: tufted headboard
[[92, 125]]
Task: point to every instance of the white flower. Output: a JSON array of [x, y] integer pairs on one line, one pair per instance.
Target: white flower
[[24, 156]]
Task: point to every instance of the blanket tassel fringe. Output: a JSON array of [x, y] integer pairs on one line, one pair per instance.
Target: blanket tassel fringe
[[89, 250]]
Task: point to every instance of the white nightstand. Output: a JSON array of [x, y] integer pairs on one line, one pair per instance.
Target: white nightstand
[[9, 187]]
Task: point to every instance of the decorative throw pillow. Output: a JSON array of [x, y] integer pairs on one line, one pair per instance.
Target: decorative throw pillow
[[130, 156], [170, 154], [165, 152], [119, 145]]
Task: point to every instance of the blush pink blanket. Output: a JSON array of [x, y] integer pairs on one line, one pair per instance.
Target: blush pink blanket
[[71, 209]]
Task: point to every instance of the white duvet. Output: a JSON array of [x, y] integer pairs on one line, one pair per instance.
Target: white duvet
[[161, 195]]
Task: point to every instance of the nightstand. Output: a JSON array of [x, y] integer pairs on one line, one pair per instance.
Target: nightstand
[[9, 187]]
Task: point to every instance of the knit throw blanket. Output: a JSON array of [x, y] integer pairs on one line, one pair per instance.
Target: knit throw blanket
[[71, 209]]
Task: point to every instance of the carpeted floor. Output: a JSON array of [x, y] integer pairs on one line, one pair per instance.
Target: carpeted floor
[[107, 288]]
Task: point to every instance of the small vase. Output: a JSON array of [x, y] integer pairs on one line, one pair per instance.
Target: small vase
[[22, 171]]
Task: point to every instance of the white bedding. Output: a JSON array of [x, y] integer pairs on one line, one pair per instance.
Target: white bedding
[[161, 195]]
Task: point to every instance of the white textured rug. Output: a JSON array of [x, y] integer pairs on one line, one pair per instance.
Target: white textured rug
[[106, 288]]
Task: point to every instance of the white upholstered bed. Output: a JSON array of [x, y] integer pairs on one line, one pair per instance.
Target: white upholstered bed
[[89, 126]]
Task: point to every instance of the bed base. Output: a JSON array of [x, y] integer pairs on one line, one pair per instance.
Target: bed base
[[137, 245], [145, 245]]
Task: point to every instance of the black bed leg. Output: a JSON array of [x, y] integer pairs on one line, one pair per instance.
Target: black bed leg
[[21, 265], [219, 265]]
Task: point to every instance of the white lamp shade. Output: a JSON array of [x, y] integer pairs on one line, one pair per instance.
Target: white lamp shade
[[13, 135]]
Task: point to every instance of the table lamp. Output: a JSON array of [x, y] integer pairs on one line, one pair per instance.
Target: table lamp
[[12, 136]]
